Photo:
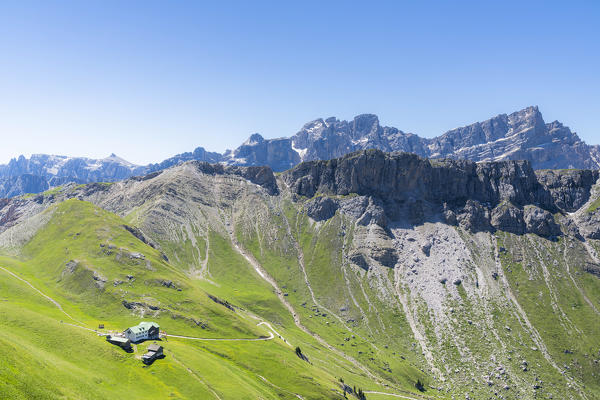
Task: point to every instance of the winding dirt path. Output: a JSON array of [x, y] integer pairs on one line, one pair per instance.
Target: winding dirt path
[[390, 394], [197, 377], [271, 336], [414, 325], [279, 387], [56, 303], [301, 264]]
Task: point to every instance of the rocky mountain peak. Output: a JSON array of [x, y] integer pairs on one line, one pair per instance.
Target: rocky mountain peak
[[254, 139], [314, 126], [364, 125], [330, 121], [531, 113]]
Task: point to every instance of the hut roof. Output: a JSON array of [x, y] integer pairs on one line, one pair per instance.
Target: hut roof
[[154, 347], [118, 339], [143, 327]]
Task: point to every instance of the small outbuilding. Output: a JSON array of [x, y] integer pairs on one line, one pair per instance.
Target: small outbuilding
[[154, 351], [143, 331], [120, 341]]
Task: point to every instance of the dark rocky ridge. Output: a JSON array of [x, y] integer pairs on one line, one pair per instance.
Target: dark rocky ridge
[[262, 176], [507, 195]]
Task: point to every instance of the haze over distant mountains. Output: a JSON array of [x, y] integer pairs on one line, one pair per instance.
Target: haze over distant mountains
[[522, 135]]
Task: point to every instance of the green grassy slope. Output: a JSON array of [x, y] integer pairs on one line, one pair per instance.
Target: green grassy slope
[[47, 358], [549, 282]]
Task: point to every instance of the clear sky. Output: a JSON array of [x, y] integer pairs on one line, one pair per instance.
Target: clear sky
[[149, 79]]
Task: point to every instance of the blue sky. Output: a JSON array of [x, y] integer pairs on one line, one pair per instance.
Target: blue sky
[[150, 79]]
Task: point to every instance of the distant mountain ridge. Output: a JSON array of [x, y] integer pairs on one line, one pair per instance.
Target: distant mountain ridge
[[75, 168], [522, 135]]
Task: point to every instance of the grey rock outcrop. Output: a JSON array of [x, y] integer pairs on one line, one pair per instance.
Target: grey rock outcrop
[[330, 138], [26, 183], [568, 189], [199, 154], [589, 224], [373, 214], [474, 217], [540, 222], [321, 208], [111, 168], [522, 135], [261, 176], [508, 218]]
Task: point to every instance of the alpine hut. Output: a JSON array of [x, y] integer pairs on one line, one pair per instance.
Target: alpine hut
[[143, 331]]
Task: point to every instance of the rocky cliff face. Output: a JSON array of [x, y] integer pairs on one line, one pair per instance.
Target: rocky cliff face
[[506, 195], [25, 183], [79, 168], [332, 138]]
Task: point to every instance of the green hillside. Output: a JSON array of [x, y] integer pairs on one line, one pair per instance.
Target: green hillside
[[82, 259]]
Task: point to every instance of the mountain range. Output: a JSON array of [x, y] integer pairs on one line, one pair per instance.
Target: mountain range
[[522, 135], [386, 274]]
